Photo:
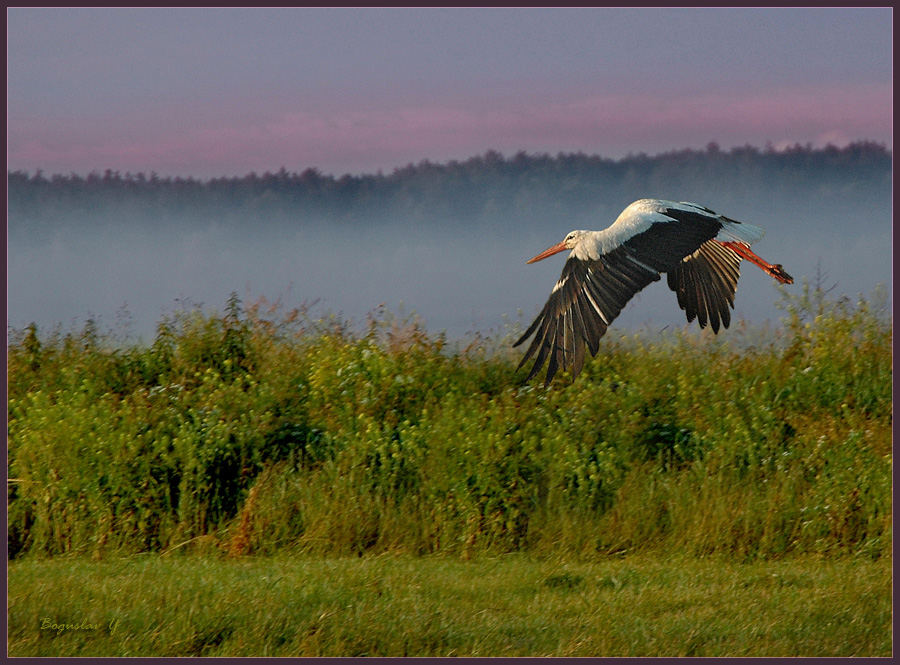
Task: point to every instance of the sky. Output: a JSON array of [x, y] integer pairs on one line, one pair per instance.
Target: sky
[[223, 92]]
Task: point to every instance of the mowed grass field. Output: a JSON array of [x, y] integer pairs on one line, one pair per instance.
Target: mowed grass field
[[389, 605]]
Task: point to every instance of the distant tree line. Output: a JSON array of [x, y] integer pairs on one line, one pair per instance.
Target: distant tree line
[[490, 186]]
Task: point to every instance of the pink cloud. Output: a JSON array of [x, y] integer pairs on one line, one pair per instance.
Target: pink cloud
[[230, 141]]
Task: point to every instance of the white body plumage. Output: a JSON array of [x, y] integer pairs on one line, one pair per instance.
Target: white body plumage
[[641, 215]]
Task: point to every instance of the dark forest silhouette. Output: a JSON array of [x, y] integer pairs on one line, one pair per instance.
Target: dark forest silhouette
[[485, 190]]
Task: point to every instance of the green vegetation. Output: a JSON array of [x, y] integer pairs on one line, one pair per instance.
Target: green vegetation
[[689, 494], [512, 605], [262, 431]]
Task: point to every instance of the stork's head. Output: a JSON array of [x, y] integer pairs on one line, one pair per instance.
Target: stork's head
[[569, 242]]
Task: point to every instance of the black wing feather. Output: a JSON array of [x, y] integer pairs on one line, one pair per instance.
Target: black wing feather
[[665, 244], [588, 296], [705, 283]]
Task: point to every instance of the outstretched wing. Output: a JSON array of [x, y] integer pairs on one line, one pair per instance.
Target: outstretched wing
[[585, 300], [705, 283]]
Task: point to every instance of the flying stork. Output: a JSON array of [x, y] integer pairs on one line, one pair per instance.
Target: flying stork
[[700, 251]]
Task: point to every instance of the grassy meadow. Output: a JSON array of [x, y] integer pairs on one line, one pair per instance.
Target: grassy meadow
[[398, 605], [734, 491]]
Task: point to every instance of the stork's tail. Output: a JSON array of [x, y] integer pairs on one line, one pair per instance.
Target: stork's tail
[[775, 270]]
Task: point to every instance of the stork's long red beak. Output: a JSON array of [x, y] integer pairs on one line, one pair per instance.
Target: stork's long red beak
[[550, 251]]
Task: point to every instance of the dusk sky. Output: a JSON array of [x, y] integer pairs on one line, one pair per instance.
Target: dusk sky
[[208, 93]]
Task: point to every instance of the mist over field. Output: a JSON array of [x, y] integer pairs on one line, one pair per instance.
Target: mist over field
[[447, 241]]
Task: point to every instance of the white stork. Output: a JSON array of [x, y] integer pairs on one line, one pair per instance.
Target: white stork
[[700, 251]]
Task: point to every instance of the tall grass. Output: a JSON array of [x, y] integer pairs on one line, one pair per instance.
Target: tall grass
[[259, 430]]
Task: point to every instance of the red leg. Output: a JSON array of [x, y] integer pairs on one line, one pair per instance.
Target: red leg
[[743, 250]]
